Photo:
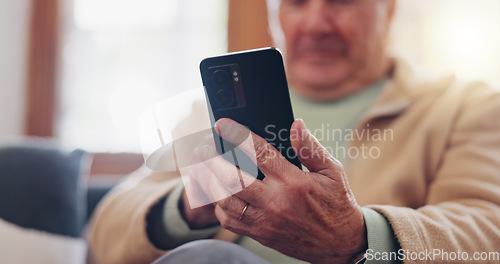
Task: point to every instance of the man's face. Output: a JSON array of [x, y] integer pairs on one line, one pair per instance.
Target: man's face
[[329, 42]]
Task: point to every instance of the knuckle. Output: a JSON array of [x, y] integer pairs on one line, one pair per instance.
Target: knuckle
[[337, 169], [233, 183], [302, 186], [263, 154], [225, 222], [337, 164], [224, 204], [333, 162], [277, 211]]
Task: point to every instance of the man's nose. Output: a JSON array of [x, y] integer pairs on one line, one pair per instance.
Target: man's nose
[[318, 19]]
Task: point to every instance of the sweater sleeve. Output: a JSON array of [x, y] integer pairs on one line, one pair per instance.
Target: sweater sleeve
[[381, 239], [177, 230], [463, 202], [118, 230]]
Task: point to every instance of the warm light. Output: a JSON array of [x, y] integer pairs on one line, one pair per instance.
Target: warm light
[[123, 14], [119, 57], [463, 36], [128, 100]]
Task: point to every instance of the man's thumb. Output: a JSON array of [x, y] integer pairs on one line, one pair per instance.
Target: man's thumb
[[310, 152]]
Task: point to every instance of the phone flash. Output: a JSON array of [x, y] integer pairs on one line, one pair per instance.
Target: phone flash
[[236, 79], [235, 73]]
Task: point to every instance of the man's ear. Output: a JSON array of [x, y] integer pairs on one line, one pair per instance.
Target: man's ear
[[392, 9]]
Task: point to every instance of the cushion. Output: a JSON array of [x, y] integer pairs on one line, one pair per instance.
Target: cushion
[[20, 246], [41, 187]]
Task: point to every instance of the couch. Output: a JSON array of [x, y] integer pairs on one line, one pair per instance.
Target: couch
[[46, 201]]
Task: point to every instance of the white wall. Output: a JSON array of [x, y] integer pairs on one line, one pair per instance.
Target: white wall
[[14, 26]]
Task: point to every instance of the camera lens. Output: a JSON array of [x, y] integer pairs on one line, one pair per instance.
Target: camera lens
[[224, 98], [220, 77]]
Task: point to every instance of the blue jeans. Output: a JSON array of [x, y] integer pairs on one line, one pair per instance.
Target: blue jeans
[[210, 252]]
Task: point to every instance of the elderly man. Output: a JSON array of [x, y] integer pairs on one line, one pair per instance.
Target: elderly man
[[428, 190]]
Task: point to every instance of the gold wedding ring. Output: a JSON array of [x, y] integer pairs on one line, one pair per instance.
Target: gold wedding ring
[[243, 212]]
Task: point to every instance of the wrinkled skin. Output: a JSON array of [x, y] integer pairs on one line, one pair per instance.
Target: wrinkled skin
[[311, 216], [332, 48]]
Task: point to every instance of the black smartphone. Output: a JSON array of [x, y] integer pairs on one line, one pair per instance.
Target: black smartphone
[[250, 87]]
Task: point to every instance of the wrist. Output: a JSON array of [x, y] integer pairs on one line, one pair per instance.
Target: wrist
[[359, 259], [355, 242], [361, 240], [198, 218]]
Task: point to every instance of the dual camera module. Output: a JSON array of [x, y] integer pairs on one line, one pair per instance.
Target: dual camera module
[[226, 81]]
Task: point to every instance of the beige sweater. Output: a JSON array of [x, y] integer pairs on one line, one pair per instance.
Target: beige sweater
[[437, 178]]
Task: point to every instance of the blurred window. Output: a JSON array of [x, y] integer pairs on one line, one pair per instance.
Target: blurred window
[[459, 36], [120, 56]]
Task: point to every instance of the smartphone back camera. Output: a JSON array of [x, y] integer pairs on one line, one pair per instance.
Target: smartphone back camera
[[227, 87]]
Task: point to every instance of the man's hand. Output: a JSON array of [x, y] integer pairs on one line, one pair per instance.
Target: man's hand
[[311, 216], [197, 218], [203, 187], [200, 188]]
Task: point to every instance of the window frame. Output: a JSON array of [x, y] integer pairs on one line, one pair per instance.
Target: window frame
[[247, 29]]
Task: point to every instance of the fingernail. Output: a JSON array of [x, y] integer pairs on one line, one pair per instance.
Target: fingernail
[[222, 128], [302, 123], [303, 129]]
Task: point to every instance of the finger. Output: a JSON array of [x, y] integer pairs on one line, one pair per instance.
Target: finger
[[234, 180], [202, 186], [194, 196], [217, 190], [233, 206], [231, 178], [232, 223], [310, 152], [198, 184], [268, 159], [205, 188]]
